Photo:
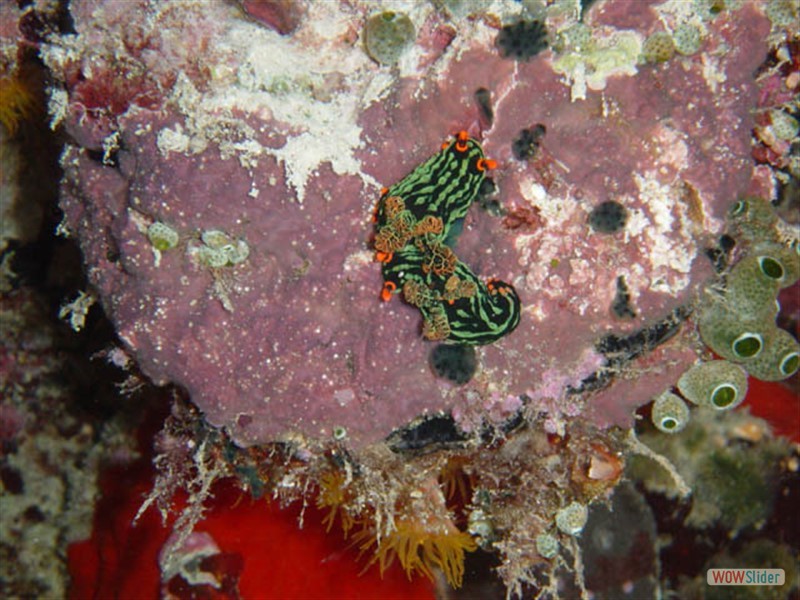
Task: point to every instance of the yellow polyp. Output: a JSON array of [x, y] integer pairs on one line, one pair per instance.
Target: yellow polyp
[[16, 103], [420, 548], [333, 495], [453, 478]]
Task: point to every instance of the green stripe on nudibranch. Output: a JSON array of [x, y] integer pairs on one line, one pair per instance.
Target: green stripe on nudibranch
[[417, 220], [485, 316], [445, 185]]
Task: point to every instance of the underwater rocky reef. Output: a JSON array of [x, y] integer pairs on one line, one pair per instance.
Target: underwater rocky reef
[[472, 286]]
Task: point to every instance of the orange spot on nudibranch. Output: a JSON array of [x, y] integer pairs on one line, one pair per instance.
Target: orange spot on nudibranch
[[383, 257]]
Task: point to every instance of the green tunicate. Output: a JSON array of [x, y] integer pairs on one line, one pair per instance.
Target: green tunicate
[[212, 257], [669, 414], [709, 9], [753, 286], [577, 38], [789, 364], [236, 252], [214, 238], [658, 48], [572, 518], [162, 236], [221, 250], [752, 219], [779, 359], [733, 336], [547, 545], [687, 39], [770, 267], [787, 258], [458, 9], [782, 13], [784, 126], [387, 35], [719, 384], [748, 345]]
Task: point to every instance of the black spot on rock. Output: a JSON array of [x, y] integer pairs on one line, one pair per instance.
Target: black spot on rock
[[426, 433], [585, 5], [487, 199], [483, 98], [621, 306], [526, 143], [454, 362], [34, 514], [620, 349], [608, 217], [522, 40], [11, 479], [616, 347], [720, 254]]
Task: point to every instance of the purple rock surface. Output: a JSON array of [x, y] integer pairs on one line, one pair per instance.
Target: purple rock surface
[[195, 116]]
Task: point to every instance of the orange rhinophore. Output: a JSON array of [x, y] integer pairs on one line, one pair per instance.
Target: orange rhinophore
[[486, 164], [461, 144], [388, 289]]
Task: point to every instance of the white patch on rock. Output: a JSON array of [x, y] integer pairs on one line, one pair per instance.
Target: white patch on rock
[[671, 246]]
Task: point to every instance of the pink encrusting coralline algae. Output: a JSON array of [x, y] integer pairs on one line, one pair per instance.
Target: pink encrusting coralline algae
[[223, 170], [451, 272]]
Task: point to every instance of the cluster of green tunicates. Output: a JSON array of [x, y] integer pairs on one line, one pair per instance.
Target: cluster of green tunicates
[[686, 39], [220, 250], [739, 324]]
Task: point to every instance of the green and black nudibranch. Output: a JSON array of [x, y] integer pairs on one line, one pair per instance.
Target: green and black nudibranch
[[417, 221]]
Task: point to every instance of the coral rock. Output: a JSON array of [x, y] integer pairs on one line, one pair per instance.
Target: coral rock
[[196, 117]]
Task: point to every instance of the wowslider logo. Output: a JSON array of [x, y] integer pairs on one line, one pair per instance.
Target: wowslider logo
[[745, 577]]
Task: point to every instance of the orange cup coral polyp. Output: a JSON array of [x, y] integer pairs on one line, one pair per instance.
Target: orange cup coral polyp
[[16, 102], [420, 547]]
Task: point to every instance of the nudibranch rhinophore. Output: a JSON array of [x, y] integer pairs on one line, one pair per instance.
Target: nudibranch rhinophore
[[417, 221]]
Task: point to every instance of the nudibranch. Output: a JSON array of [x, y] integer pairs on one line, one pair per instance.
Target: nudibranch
[[417, 221]]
